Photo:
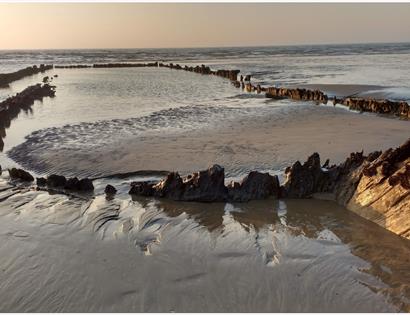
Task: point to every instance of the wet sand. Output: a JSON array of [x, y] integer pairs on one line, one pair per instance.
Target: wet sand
[[59, 253], [268, 141]]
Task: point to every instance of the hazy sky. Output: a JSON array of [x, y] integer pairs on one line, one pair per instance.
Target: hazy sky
[[135, 25]]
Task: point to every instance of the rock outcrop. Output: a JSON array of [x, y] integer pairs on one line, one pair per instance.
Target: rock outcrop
[[254, 186], [303, 180], [401, 109], [20, 174], [72, 66], [297, 94], [124, 65], [382, 193], [7, 78], [71, 184], [376, 186], [110, 190], [209, 186]]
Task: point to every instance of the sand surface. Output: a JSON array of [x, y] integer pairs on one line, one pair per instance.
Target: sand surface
[[66, 253], [60, 253], [270, 141]]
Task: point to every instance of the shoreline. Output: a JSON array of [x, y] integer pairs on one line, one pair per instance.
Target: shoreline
[[347, 183]]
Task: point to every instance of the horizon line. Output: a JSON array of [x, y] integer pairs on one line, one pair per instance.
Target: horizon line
[[204, 47]]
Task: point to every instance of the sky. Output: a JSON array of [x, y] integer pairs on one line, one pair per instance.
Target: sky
[[144, 25]]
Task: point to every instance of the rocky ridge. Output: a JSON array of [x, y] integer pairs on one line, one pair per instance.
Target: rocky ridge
[[7, 78]]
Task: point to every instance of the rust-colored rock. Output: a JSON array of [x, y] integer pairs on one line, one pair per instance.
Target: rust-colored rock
[[296, 94], [376, 186]]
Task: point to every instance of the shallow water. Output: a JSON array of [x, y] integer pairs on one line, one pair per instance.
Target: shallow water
[[383, 64], [106, 121], [95, 108], [108, 95]]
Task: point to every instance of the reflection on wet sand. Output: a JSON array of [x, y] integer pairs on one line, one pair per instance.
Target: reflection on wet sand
[[387, 253], [12, 106], [208, 215], [7, 116]]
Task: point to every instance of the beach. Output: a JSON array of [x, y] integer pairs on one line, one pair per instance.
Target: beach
[[69, 250]]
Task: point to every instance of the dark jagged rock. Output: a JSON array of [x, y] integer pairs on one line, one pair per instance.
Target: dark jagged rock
[[209, 186], [142, 189], [171, 187], [86, 185], [124, 65], [17, 173], [41, 181], [7, 78], [297, 94], [72, 184], [55, 181], [303, 180], [388, 161], [254, 186], [401, 109], [110, 190], [110, 65], [326, 164], [204, 186], [229, 74], [72, 66]]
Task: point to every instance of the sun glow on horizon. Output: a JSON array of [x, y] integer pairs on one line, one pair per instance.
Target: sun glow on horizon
[[171, 25]]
